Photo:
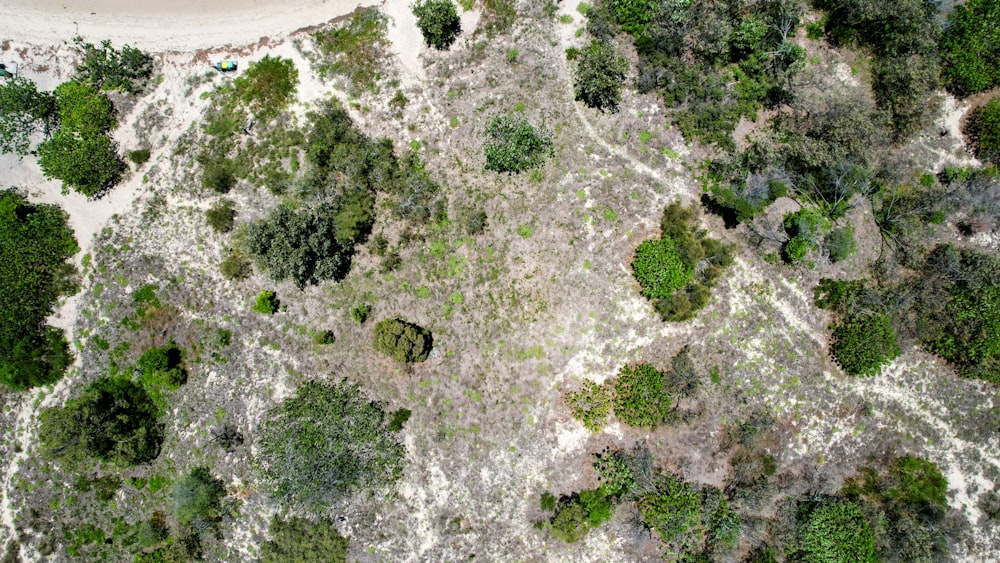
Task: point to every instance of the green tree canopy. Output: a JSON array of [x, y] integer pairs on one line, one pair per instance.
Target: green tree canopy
[[402, 341], [35, 243], [268, 86], [23, 111], [970, 47], [438, 22], [324, 442], [984, 129], [113, 420], [599, 76], [836, 532], [298, 540]]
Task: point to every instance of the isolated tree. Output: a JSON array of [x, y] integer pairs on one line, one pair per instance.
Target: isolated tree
[[113, 420], [305, 246], [23, 111], [438, 22], [600, 74], [325, 441], [402, 341]]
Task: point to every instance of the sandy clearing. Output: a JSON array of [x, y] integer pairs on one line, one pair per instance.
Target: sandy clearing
[[167, 25]]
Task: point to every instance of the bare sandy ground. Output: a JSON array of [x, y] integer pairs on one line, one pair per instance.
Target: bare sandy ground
[[165, 25]]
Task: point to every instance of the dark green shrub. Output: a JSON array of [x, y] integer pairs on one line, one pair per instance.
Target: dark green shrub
[[862, 344], [970, 47], [399, 418], [298, 540], [672, 508], [514, 145], [163, 366], [840, 243], [984, 130], [361, 312], [268, 86], [218, 176], [402, 341], [108, 68], [35, 243], [591, 405], [547, 501], [438, 22], [266, 303], [836, 531], [221, 216], [197, 499], [575, 515], [325, 441], [139, 156], [599, 76], [23, 111], [113, 420], [640, 397]]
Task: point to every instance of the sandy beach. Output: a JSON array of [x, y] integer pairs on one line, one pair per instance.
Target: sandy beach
[[164, 25]]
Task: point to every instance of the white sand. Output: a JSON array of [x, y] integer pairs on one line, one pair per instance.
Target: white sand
[[165, 25]]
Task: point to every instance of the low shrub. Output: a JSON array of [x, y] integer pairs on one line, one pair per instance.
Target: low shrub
[[299, 540], [361, 312], [862, 344], [266, 303], [591, 405], [218, 176], [402, 341], [514, 145], [139, 156], [268, 86], [197, 499], [984, 130], [126, 69], [834, 531], [840, 244], [221, 216], [236, 266], [658, 268], [163, 366]]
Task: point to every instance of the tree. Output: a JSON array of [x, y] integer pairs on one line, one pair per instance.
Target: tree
[[298, 540], [308, 246], [197, 497], [108, 68], [402, 341], [970, 47], [659, 269], [514, 145], [836, 532], [35, 243], [862, 344], [324, 442], [984, 130], [23, 111], [113, 420], [438, 22], [600, 74]]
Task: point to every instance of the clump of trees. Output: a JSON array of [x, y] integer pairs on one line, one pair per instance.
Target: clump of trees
[[678, 270], [402, 341], [324, 442], [514, 145], [35, 243], [304, 541], [113, 420], [599, 76], [640, 395], [438, 22]]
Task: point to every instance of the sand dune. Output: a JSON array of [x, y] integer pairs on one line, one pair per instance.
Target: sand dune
[[165, 25]]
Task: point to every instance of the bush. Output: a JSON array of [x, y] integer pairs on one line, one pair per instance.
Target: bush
[[591, 405], [268, 86], [600, 75], [836, 531], [163, 366], [356, 49], [633, 15], [659, 269], [840, 244], [218, 176], [35, 243], [862, 344], [569, 523], [266, 303], [672, 508], [701, 259], [804, 227], [361, 312], [153, 531], [970, 47], [514, 145], [984, 130], [197, 497], [438, 22], [402, 341], [23, 111], [107, 68], [308, 246], [221, 216], [476, 222], [298, 540], [236, 266], [325, 441], [575, 515], [139, 156], [81, 153], [113, 420], [640, 398]]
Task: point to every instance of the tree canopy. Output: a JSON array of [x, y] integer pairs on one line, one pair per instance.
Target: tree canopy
[[438, 22], [35, 243], [402, 341], [324, 442], [599, 76]]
